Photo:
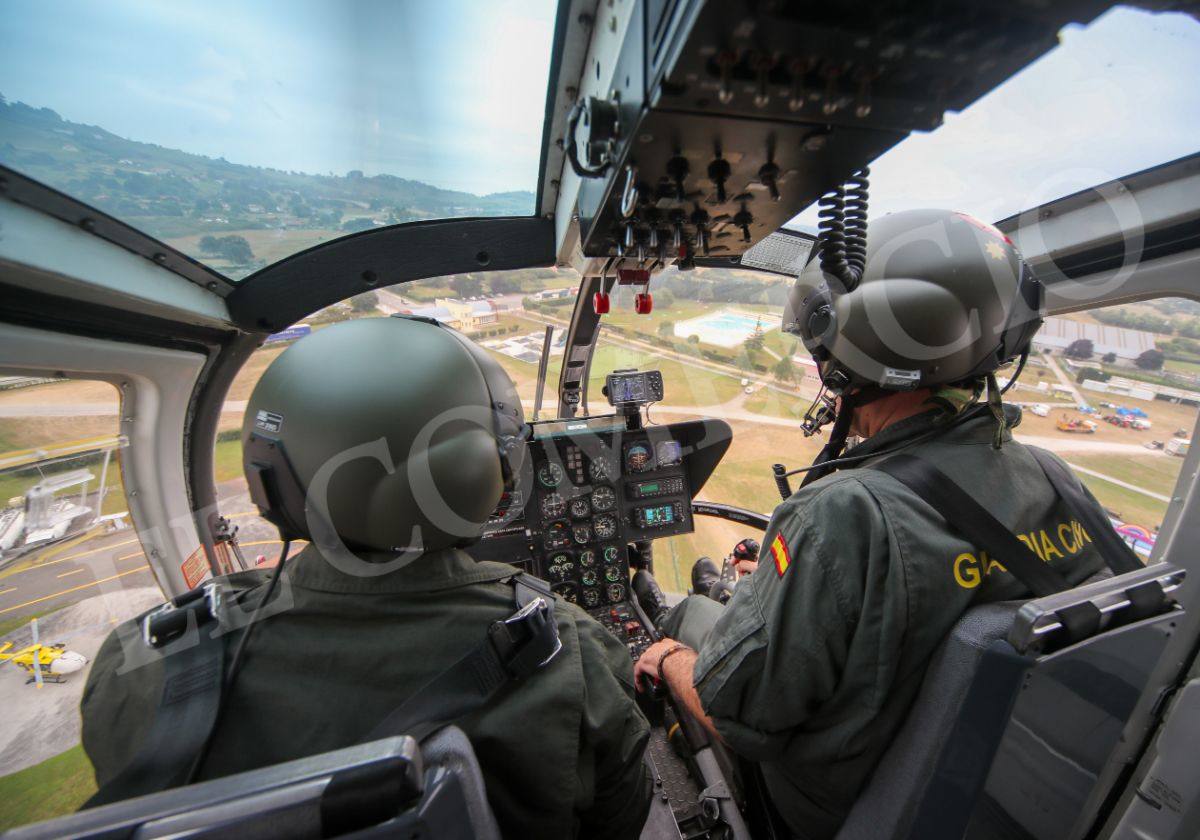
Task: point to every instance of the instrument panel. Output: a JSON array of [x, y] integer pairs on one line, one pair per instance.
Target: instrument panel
[[592, 487]]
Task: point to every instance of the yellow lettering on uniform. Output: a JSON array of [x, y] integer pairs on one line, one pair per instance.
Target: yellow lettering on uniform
[[965, 571], [1077, 532], [1030, 541], [1081, 533], [1048, 547], [1064, 536], [996, 564]]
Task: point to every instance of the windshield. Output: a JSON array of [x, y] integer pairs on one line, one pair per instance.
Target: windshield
[[243, 133], [1114, 98]]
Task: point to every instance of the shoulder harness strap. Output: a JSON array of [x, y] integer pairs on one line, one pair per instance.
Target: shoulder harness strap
[[514, 648], [185, 631], [965, 515]]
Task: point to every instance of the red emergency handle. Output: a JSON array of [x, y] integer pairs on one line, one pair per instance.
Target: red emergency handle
[[643, 302]]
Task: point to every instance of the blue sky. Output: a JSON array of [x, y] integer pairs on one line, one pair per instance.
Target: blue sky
[[452, 93], [1113, 98]]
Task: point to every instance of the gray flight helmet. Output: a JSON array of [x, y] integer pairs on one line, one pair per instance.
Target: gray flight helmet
[[943, 298], [399, 434]]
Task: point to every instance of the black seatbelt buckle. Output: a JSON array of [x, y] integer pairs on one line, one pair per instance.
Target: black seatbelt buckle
[[170, 621], [526, 640]]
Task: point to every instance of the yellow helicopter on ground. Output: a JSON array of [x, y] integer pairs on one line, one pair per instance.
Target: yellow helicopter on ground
[[44, 663]]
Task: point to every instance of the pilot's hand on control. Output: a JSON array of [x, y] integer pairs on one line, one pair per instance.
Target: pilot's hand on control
[[647, 666], [745, 567]]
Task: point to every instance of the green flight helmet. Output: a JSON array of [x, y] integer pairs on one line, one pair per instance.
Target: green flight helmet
[[395, 435], [942, 298]]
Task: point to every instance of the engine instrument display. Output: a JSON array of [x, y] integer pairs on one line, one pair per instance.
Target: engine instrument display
[[580, 507], [657, 516], [557, 535]]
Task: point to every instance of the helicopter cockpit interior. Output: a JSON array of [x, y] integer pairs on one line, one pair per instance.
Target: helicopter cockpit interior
[[685, 160]]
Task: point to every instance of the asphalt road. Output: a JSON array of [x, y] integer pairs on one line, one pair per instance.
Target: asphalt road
[[99, 564], [114, 561]]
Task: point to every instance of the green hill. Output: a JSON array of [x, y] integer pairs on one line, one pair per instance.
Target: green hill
[[178, 197]]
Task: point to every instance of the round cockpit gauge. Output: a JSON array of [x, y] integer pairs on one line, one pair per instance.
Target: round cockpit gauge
[[559, 570], [568, 591], [668, 453], [591, 597], [602, 469], [589, 577], [553, 506], [612, 574], [611, 553], [580, 507], [639, 458], [582, 533], [604, 498], [615, 592], [605, 526], [558, 535], [587, 558], [550, 474]]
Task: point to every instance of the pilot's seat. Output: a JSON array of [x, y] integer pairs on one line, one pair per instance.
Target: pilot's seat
[[385, 788], [1010, 727]]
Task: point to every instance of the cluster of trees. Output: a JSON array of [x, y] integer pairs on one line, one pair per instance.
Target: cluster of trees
[[723, 286], [1121, 317], [233, 248], [364, 302], [1083, 348]]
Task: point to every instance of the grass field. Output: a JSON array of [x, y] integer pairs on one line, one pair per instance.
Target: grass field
[[772, 403], [1127, 505], [227, 460], [1157, 474], [55, 787], [268, 245], [1179, 366]]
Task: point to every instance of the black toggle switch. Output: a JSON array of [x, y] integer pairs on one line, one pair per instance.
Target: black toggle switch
[[719, 172]]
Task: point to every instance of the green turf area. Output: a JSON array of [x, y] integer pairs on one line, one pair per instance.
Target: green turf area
[[227, 460], [1127, 505], [772, 403], [9, 625], [57, 786], [1180, 366], [1157, 474], [18, 482]]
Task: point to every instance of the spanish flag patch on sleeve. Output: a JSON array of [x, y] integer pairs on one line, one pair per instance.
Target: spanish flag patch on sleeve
[[779, 552]]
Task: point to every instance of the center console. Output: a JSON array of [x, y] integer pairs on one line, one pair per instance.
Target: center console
[[592, 488]]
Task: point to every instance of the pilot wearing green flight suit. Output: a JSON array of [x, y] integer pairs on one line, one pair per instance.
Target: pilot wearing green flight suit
[[811, 667], [363, 414]]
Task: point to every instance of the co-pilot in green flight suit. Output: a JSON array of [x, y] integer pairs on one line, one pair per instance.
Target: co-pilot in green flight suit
[[813, 664], [561, 751]]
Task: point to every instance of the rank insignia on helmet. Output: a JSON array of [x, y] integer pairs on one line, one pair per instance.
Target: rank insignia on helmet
[[779, 552]]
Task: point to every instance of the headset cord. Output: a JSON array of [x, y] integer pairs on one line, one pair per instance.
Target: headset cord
[[235, 663]]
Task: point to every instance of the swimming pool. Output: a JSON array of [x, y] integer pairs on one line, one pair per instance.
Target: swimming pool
[[726, 327]]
